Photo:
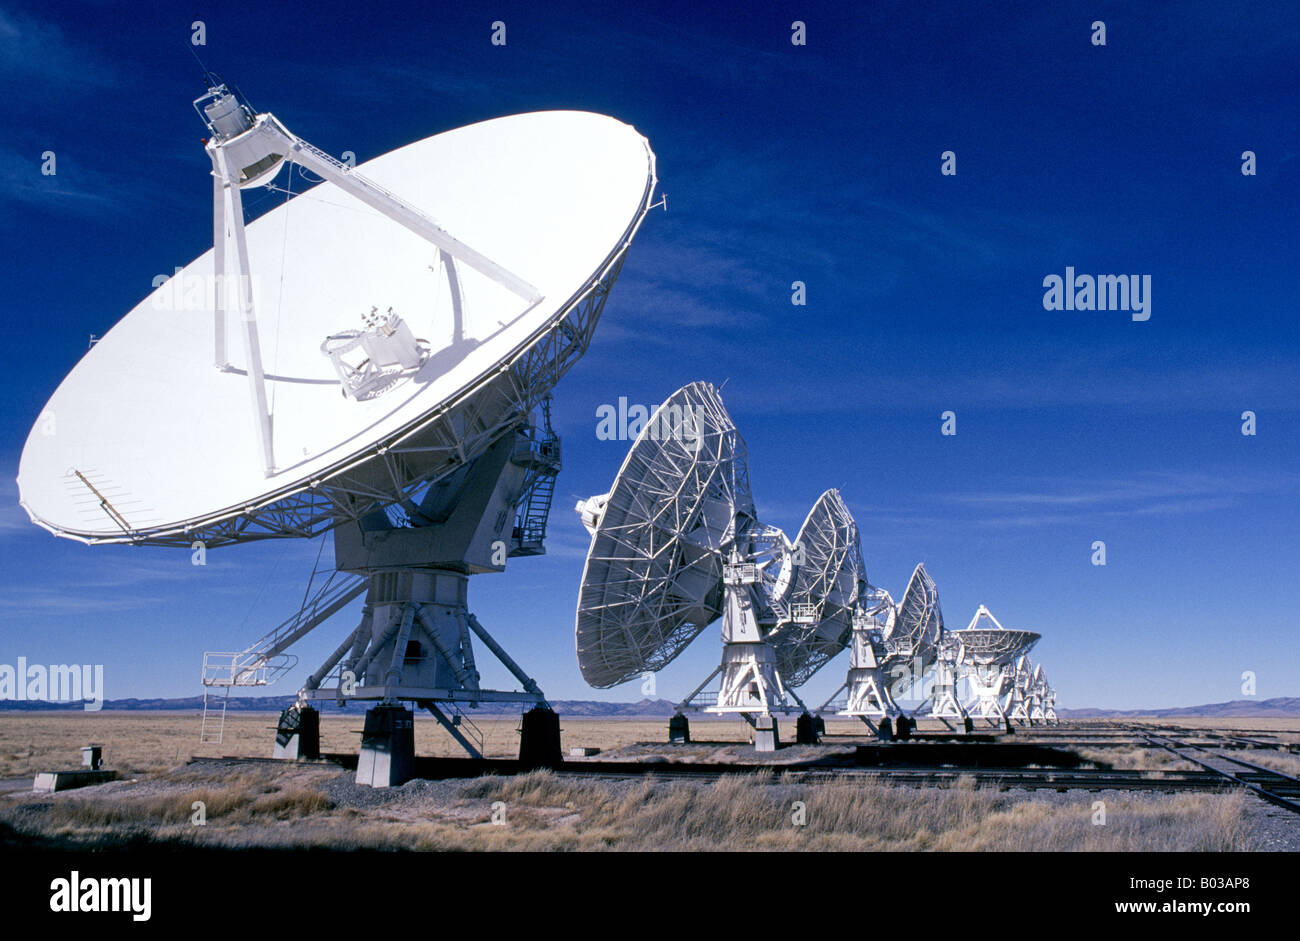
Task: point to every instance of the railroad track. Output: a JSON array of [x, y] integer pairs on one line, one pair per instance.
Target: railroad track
[[1273, 786], [1003, 778], [1054, 779], [1214, 754]]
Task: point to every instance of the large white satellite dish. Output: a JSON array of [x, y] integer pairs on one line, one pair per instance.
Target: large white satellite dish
[[155, 440], [914, 643], [395, 328], [894, 646], [869, 696], [1042, 698]]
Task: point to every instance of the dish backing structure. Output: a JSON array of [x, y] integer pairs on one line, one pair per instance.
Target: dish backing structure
[[389, 385]]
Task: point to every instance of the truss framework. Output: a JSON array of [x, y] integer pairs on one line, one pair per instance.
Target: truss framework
[[653, 577], [829, 578], [912, 638]]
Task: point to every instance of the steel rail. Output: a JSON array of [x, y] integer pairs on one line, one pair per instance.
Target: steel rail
[[1173, 745]]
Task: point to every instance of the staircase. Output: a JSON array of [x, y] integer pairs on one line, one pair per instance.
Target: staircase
[[541, 460], [262, 663]]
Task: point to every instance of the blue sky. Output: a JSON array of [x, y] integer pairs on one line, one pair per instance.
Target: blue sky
[[818, 163]]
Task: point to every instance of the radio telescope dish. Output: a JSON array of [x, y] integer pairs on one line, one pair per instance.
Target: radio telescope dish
[[1035, 694], [994, 660], [828, 580], [383, 353], [653, 576], [1017, 690], [996, 645], [993, 643], [388, 373], [918, 625], [1042, 697]]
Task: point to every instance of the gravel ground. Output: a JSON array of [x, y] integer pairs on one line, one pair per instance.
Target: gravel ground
[[1278, 828]]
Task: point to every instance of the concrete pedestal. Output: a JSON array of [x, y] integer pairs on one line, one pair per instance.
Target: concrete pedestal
[[539, 738], [679, 729], [766, 734], [297, 734], [63, 780], [805, 730], [387, 747]]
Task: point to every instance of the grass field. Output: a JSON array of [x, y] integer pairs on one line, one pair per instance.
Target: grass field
[[319, 805]]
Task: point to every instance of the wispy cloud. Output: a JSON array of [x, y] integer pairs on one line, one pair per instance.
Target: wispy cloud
[[1059, 501], [53, 602], [1058, 491], [906, 380], [39, 53], [73, 188]]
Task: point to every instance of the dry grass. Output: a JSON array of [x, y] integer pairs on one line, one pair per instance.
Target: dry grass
[[300, 805], [741, 812], [1135, 759], [1287, 764], [545, 811], [249, 799]]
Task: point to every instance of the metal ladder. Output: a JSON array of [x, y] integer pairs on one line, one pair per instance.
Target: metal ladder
[[206, 735]]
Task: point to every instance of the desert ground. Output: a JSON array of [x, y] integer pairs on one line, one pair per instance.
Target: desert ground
[[159, 793]]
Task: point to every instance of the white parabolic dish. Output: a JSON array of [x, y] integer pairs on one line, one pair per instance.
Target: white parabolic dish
[[169, 440]]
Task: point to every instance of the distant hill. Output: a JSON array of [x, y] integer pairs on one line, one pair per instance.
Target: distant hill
[[1282, 707]]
